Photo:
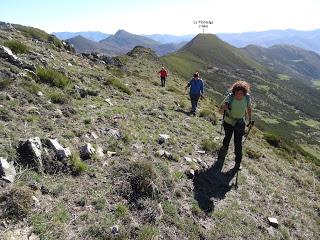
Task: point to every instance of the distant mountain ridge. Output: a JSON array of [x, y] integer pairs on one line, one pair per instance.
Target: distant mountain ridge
[[91, 35], [309, 40], [304, 39], [122, 42]]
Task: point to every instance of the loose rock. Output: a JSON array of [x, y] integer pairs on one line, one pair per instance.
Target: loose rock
[[30, 153], [87, 151], [7, 170], [163, 138], [60, 151], [273, 222]]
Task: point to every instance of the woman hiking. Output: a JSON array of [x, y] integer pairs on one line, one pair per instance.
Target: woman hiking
[[234, 108]]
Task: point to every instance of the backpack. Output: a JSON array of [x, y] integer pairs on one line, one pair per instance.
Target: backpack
[[230, 98]]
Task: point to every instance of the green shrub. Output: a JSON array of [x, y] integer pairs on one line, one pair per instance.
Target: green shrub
[[253, 153], [142, 176], [209, 145], [100, 203], [87, 121], [51, 224], [121, 211], [148, 232], [16, 46], [59, 97], [32, 32], [174, 89], [32, 87], [52, 77], [205, 113], [118, 84], [38, 34], [55, 41], [272, 139], [209, 115], [18, 202], [171, 214], [4, 83], [77, 166], [182, 103]]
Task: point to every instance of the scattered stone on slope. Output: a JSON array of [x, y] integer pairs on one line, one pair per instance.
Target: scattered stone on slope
[[109, 101], [273, 222], [87, 151], [35, 202], [190, 174], [114, 229], [19, 234], [160, 152], [114, 133], [7, 170], [60, 151], [163, 153], [30, 153], [111, 154], [163, 138], [99, 152], [201, 151]]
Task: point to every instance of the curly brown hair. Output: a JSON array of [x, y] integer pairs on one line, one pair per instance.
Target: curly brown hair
[[241, 86]]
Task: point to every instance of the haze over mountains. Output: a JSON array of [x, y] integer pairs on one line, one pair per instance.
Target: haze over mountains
[[166, 43], [120, 43], [305, 39]]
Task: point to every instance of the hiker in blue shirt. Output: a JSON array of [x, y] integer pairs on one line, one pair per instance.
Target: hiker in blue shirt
[[196, 91]]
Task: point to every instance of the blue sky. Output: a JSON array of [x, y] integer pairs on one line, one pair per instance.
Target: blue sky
[[165, 16]]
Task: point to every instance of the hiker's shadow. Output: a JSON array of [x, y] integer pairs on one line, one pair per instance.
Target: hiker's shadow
[[212, 183]]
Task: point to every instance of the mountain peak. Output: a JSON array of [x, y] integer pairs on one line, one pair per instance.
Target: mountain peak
[[121, 32]]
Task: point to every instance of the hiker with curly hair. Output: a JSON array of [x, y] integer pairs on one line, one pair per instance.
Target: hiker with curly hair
[[234, 109]]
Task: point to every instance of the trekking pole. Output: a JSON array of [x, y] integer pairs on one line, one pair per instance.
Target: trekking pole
[[250, 126], [236, 184]]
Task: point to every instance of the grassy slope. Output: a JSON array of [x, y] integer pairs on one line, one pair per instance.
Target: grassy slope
[[271, 184]]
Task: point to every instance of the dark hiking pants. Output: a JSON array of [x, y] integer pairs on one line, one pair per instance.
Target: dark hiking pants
[[194, 102], [163, 81], [238, 131]]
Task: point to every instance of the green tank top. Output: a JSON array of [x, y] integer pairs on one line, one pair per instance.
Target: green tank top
[[238, 109]]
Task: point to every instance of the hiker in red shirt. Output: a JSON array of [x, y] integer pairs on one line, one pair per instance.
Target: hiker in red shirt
[[163, 74]]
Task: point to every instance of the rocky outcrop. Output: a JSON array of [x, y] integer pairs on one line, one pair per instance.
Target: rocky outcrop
[[7, 54]]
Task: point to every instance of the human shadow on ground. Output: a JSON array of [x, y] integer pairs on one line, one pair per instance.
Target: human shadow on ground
[[212, 183]]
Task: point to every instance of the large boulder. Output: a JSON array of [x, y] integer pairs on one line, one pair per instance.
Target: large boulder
[[7, 170], [60, 150], [30, 153], [7, 54]]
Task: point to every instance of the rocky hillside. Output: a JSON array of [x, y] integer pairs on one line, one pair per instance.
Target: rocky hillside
[[93, 148]]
